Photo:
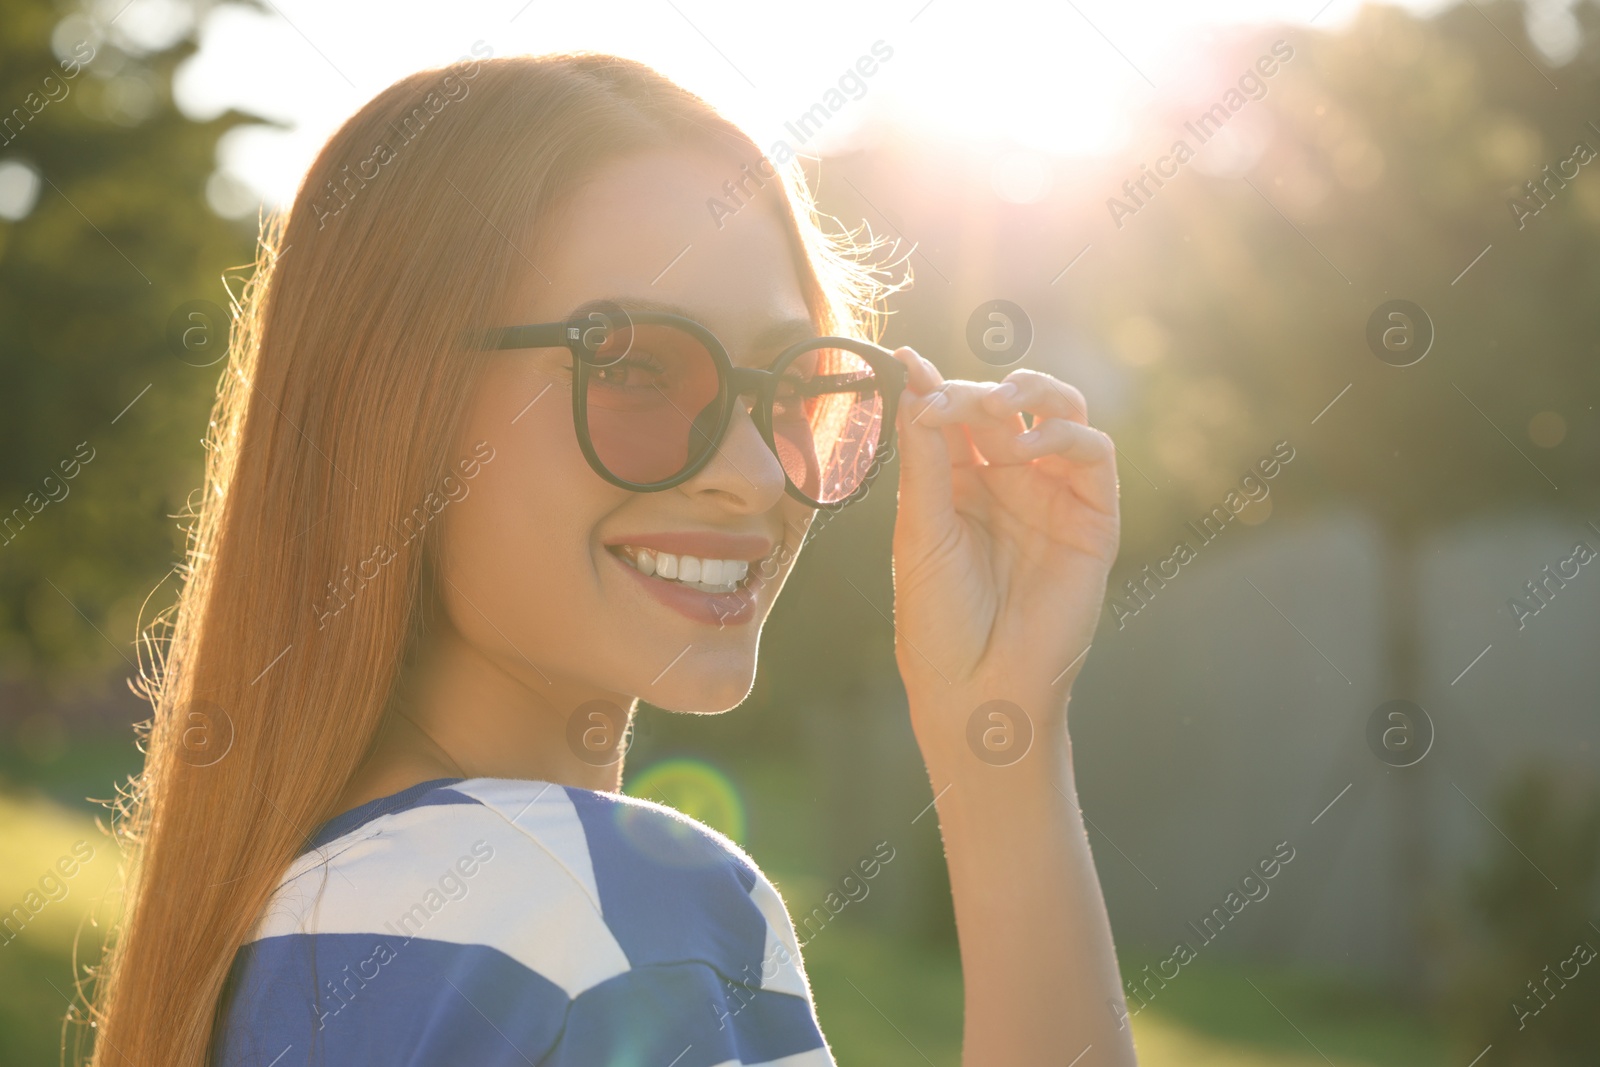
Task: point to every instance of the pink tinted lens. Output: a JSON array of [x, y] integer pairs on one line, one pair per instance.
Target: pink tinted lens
[[651, 401], [827, 420]]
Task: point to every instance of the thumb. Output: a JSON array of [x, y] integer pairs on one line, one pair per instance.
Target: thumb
[[925, 495]]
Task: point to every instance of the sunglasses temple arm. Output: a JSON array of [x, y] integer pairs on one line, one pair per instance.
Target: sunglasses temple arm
[[537, 335]]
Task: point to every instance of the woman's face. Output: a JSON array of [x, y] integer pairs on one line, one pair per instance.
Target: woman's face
[[537, 581]]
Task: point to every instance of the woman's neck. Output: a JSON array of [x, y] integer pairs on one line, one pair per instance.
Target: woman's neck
[[457, 713]]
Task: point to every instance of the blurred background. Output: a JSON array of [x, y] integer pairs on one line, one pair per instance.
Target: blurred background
[[1382, 657]]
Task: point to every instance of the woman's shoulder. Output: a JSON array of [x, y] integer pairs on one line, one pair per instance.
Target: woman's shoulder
[[498, 860], [535, 913]]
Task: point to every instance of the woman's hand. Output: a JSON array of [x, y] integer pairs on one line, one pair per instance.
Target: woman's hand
[[1001, 550], [1002, 545]]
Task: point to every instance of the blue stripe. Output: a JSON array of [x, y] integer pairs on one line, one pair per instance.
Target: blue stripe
[[420, 795], [669, 891], [685, 1015], [373, 1000]]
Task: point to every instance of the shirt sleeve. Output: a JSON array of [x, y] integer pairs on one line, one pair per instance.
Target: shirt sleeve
[[593, 930]]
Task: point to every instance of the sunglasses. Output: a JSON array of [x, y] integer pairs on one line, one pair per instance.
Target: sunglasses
[[653, 394]]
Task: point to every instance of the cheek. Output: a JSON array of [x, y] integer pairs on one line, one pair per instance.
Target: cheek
[[797, 523], [797, 518], [521, 538]]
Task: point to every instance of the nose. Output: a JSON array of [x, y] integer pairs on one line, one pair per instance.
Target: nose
[[742, 468]]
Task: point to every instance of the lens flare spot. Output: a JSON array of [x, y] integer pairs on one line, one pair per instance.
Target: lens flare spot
[[1547, 429], [697, 789]]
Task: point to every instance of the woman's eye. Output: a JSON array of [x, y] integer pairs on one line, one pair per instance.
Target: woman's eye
[[627, 372]]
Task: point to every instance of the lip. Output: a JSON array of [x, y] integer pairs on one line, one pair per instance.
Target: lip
[[707, 545], [716, 609]]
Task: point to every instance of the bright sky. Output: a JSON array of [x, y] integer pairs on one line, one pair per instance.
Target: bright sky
[[1061, 78]]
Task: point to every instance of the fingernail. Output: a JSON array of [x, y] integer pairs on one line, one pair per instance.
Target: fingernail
[[940, 399], [1028, 436], [1006, 391]]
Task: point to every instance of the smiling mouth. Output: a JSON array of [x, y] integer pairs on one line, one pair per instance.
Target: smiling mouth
[[727, 575]]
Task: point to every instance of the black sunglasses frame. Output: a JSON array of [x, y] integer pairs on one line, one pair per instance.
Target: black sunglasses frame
[[579, 337]]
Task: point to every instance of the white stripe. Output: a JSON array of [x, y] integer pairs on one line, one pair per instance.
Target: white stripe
[[400, 879], [781, 958], [545, 814]]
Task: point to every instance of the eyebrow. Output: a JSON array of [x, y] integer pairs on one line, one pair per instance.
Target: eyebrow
[[776, 336]]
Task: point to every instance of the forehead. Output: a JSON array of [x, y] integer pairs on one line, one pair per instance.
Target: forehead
[[642, 232]]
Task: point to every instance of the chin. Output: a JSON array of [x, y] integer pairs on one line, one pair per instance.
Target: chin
[[705, 690]]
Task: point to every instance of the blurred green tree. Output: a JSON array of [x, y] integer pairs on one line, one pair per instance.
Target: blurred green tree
[[1527, 978], [104, 233]]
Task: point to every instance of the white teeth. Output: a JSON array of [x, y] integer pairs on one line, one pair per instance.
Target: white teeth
[[707, 575]]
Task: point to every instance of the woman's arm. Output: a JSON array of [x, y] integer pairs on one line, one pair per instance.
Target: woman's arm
[[1002, 546], [1041, 979]]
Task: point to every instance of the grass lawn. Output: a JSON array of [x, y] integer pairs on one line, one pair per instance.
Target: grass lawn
[[883, 1002], [36, 977]]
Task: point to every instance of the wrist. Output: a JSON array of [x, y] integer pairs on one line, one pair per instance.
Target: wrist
[[995, 753], [964, 732], [992, 814]]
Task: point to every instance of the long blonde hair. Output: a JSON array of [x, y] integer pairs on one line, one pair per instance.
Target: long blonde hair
[[342, 394]]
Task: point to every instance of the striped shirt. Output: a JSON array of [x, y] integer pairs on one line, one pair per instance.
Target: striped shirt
[[497, 922]]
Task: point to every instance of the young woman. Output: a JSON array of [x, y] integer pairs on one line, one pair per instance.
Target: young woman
[[516, 433]]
